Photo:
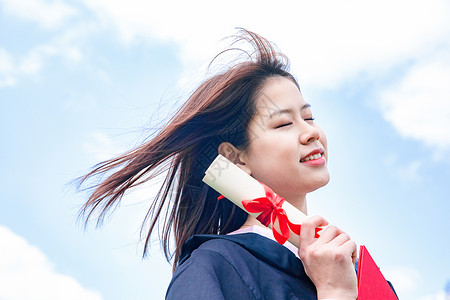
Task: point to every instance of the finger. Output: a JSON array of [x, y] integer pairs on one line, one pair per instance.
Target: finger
[[340, 239], [350, 247], [307, 232], [355, 255], [329, 234]]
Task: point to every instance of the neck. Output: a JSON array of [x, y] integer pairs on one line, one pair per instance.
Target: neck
[[298, 202]]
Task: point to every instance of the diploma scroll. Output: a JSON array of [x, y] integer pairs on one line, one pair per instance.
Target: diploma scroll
[[236, 185]]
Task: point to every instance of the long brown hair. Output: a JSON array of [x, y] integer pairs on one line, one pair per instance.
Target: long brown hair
[[218, 111]]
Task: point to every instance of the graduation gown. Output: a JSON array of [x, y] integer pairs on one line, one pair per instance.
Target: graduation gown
[[240, 266]]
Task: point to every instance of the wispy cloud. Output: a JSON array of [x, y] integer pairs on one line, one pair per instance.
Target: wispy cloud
[[62, 42], [47, 14], [410, 172], [436, 296], [101, 147], [67, 46], [405, 280], [408, 283], [371, 42], [325, 54], [26, 273], [15, 67], [419, 105], [7, 77]]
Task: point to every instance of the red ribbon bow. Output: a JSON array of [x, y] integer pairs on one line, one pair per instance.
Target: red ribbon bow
[[270, 209]]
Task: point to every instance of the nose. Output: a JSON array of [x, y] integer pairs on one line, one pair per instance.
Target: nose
[[309, 134]]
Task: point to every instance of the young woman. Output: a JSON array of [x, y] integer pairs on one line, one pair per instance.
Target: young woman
[[254, 114]]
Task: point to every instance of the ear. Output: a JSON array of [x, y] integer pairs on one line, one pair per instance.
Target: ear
[[234, 155]]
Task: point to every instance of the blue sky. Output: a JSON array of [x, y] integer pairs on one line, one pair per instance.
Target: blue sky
[[82, 81]]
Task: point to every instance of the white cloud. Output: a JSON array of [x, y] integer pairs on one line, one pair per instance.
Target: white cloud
[[65, 43], [404, 279], [328, 41], [6, 69], [406, 172], [47, 14], [27, 274], [437, 296], [66, 46], [101, 147], [6, 61], [408, 283], [13, 68], [411, 171], [33, 62], [419, 106]]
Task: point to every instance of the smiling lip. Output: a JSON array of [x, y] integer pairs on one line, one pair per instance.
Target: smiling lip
[[315, 162], [314, 158]]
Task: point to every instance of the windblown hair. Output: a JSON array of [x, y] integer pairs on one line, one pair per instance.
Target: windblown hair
[[218, 111]]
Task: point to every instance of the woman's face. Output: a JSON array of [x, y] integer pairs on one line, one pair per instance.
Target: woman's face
[[287, 150]]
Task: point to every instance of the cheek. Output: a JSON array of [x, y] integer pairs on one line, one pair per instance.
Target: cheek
[[269, 152]]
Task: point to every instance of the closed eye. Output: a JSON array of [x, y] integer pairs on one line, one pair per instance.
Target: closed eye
[[283, 125]]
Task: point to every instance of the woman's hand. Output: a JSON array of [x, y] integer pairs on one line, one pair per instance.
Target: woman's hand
[[329, 260]]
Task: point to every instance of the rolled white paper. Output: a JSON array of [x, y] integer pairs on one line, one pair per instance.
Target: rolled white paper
[[236, 185]]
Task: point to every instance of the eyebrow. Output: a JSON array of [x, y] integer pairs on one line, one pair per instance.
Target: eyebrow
[[287, 111]]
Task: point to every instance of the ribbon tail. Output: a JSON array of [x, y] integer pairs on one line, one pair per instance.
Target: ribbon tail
[[317, 232], [278, 237], [282, 237], [294, 227]]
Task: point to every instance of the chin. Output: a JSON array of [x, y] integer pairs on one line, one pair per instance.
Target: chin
[[325, 180], [293, 191], [321, 182], [319, 186]]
